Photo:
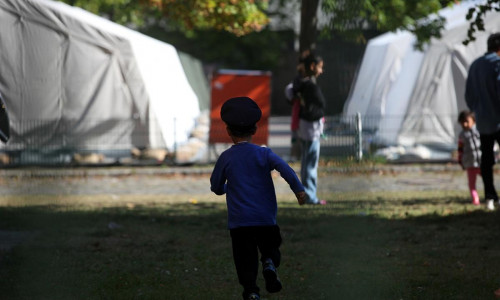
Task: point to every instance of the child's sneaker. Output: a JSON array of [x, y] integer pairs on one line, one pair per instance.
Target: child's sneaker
[[273, 283], [253, 296], [490, 204]]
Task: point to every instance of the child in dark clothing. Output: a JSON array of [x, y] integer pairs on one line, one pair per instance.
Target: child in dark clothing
[[243, 173]]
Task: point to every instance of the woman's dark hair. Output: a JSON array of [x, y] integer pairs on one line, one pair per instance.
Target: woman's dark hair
[[462, 117], [309, 60]]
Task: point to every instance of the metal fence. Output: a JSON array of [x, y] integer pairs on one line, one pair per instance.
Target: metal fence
[[49, 143], [360, 136]]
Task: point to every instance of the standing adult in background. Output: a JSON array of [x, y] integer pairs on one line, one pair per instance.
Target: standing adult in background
[[312, 111], [291, 94], [482, 94]]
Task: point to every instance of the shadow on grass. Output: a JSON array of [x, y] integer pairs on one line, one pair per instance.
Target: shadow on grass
[[372, 248]]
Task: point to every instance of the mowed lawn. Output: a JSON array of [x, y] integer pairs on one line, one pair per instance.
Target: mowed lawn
[[390, 245]]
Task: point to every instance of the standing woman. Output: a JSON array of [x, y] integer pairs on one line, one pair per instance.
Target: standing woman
[[311, 122]]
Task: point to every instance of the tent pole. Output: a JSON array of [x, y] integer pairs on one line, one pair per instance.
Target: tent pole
[[359, 137]]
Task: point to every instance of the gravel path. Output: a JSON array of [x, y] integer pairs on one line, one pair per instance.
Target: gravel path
[[148, 182], [192, 181]]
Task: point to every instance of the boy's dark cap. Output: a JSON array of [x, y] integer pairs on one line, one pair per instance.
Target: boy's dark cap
[[240, 111]]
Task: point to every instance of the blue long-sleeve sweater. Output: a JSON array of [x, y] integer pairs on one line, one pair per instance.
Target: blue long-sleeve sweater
[[482, 92], [243, 173]]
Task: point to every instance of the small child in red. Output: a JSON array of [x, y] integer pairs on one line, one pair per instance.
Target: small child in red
[[469, 151]]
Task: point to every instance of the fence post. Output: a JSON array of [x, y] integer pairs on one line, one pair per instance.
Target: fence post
[[175, 140], [359, 137]]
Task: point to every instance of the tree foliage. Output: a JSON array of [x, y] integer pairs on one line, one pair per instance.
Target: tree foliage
[[476, 15], [346, 17], [234, 16], [350, 17], [237, 17], [119, 11]]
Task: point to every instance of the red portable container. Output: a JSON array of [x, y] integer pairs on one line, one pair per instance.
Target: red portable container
[[235, 83]]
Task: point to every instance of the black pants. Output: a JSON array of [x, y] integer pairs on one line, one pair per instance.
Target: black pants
[[247, 242], [487, 162]]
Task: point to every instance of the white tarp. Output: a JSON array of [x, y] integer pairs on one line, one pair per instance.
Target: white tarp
[[411, 98], [74, 80]]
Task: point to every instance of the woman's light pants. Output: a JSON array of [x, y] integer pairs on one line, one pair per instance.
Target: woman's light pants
[[309, 169]]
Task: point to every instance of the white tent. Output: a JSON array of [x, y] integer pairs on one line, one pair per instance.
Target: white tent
[[411, 99], [74, 80]]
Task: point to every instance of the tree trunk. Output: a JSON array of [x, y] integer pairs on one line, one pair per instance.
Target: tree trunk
[[308, 25]]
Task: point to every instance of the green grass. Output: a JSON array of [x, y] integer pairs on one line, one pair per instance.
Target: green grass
[[404, 245]]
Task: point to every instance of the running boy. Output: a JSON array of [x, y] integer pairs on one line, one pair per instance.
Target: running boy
[[243, 173]]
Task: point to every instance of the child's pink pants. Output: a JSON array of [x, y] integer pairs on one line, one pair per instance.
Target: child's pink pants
[[472, 176]]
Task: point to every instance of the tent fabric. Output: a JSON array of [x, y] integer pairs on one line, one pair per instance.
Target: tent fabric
[[74, 80], [197, 78], [410, 98]]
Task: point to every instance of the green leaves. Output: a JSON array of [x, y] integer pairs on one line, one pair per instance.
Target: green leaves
[[476, 16], [350, 17], [236, 17], [347, 18]]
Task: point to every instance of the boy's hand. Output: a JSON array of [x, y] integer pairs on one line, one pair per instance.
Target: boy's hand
[[301, 197]]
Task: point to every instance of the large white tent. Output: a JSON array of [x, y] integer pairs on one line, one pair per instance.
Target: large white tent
[[410, 99], [74, 80]]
